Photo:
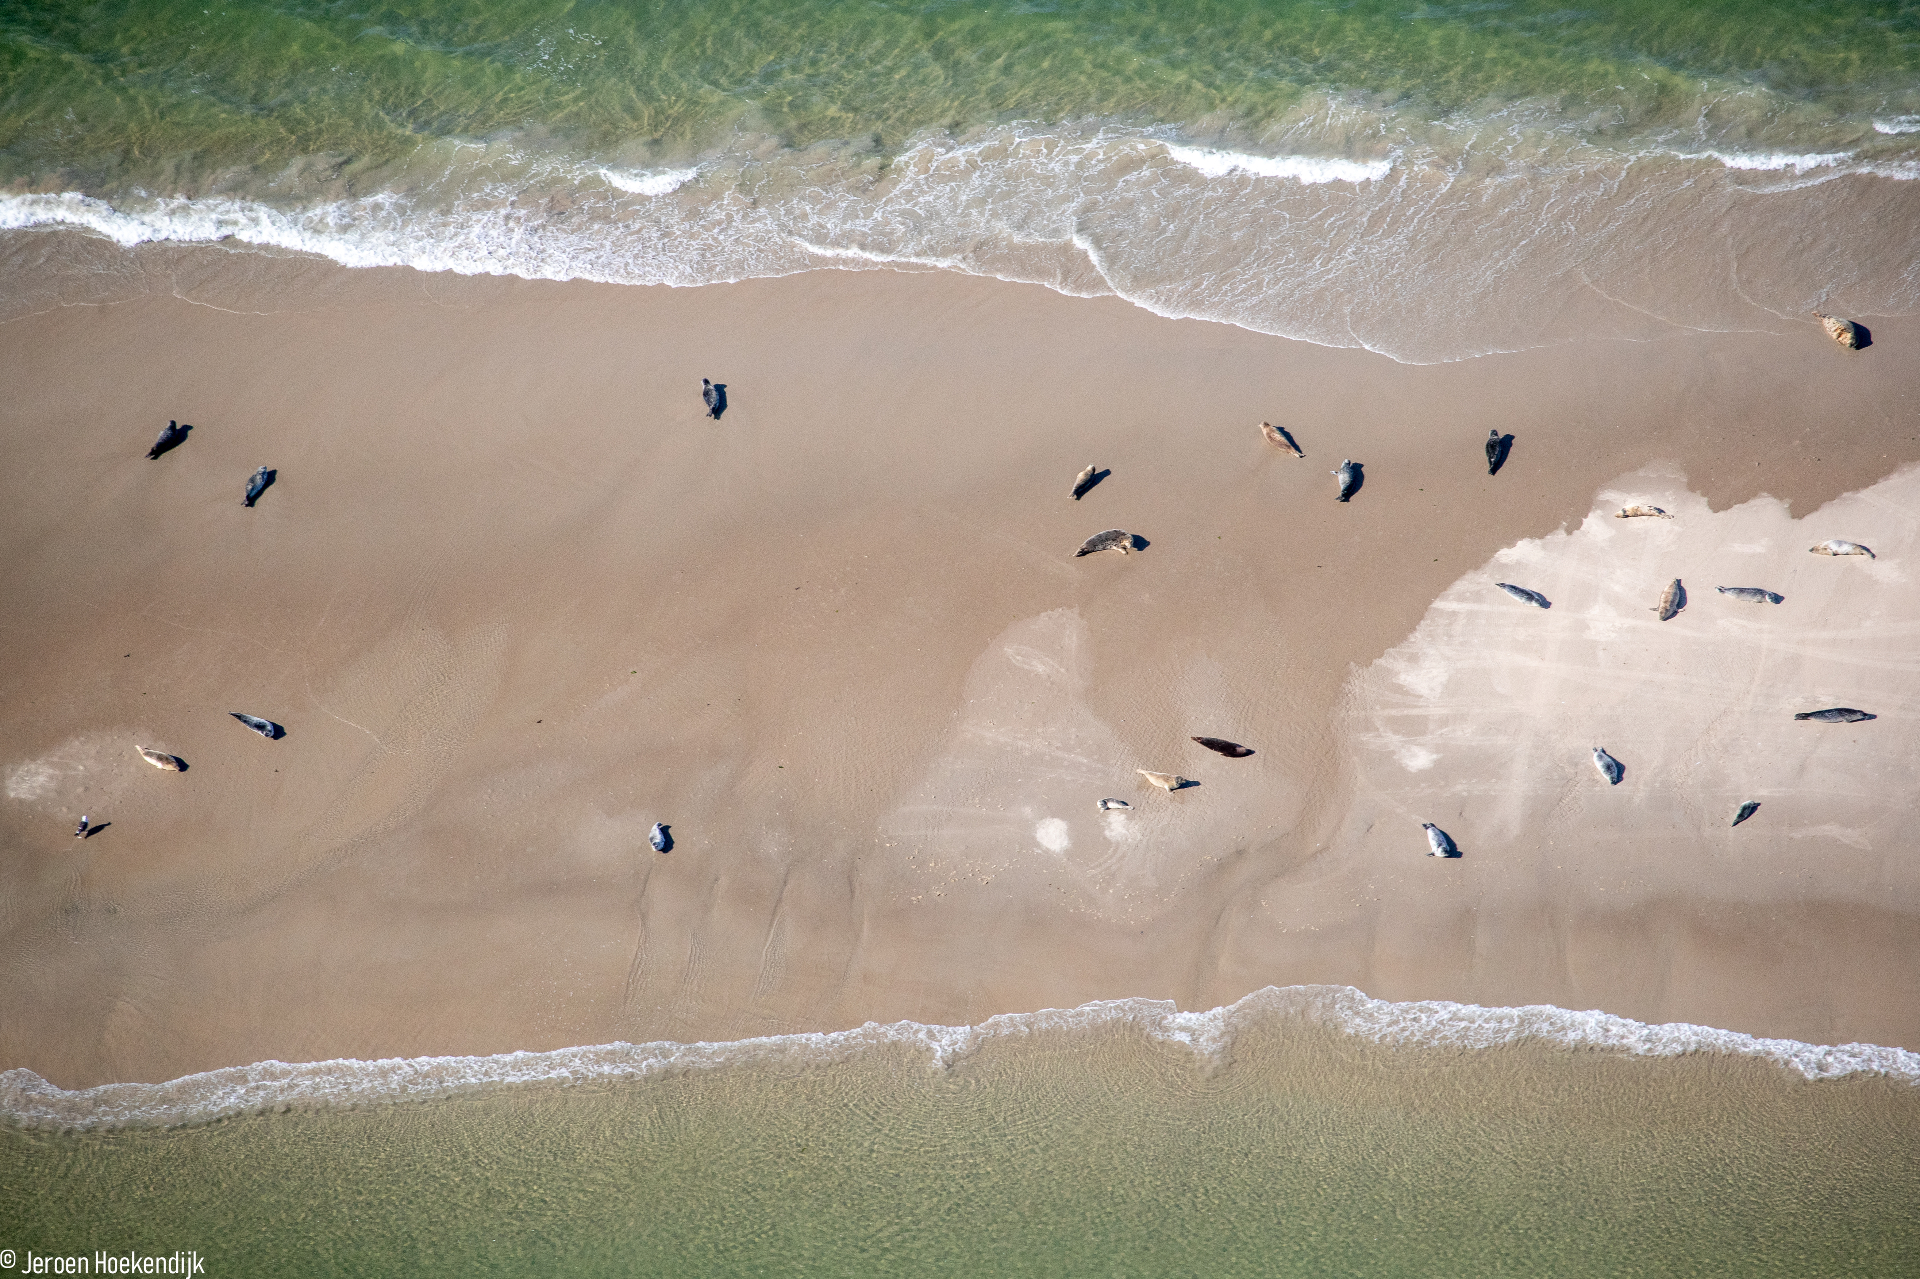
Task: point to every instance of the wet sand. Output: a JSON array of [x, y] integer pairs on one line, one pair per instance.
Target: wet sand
[[515, 599]]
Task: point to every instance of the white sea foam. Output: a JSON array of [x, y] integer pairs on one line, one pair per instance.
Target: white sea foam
[[1306, 169], [665, 182], [265, 1087], [1898, 124], [1779, 161]]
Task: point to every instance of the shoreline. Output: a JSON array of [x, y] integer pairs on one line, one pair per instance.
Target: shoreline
[[515, 599]]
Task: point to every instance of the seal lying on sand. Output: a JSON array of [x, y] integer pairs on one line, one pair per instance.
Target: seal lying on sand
[[1107, 805], [258, 484], [1439, 843], [1637, 512], [1232, 750], [1524, 595], [1166, 781], [265, 727], [710, 396], [1845, 332], [1114, 539], [1836, 715], [659, 837], [1610, 768], [1751, 594], [1083, 481], [1351, 477], [1672, 600], [1498, 446], [1834, 546], [168, 438], [1747, 810], [162, 760], [1280, 437], [80, 831]]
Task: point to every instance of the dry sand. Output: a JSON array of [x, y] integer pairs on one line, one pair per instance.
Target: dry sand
[[515, 599]]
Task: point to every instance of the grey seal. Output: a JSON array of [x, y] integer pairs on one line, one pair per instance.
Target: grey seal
[[258, 484], [1109, 805], [1836, 715], [1610, 768], [1672, 600], [1280, 437], [1232, 750], [1637, 512], [1351, 477], [1834, 546], [1085, 480], [1114, 539], [1751, 594], [162, 760], [659, 837], [1166, 781], [265, 727], [169, 438], [1498, 447], [1524, 595], [1439, 843], [1747, 810], [1845, 332], [710, 396]]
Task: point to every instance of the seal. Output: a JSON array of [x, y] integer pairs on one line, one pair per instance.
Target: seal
[[258, 484], [1084, 481], [1747, 810], [80, 831], [265, 727], [659, 837], [710, 396], [1107, 805], [1351, 477], [1524, 595], [1834, 546], [1672, 600], [1610, 768], [1439, 843], [1751, 594], [1232, 750], [1836, 715], [1114, 539], [1637, 512], [1498, 446], [1166, 781], [1280, 438], [1845, 332], [169, 438], [163, 761]]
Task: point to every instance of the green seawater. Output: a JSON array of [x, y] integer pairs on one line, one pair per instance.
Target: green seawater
[[1310, 1153], [173, 94]]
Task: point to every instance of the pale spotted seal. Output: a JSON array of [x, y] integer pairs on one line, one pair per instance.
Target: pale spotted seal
[[1751, 594], [265, 727], [1114, 539], [1834, 546], [1845, 332], [1637, 512], [1232, 750], [1084, 481], [258, 484], [80, 831], [1610, 768], [162, 760], [169, 438], [1439, 843], [659, 837], [1111, 805], [1836, 715], [1281, 438], [1166, 781], [1524, 595], [1351, 477], [1747, 810], [1672, 600]]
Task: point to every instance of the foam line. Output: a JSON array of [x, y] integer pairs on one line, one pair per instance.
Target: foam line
[[1305, 169]]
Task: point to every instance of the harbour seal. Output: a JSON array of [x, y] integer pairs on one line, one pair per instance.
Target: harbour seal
[[660, 838], [710, 396], [162, 760], [1351, 477], [1834, 546], [1280, 437], [265, 727], [1232, 750], [1166, 781], [80, 831], [169, 438], [1636, 512], [1672, 600], [1836, 715], [1845, 332], [1084, 481], [1524, 595], [1747, 810], [1498, 446], [258, 484], [1439, 843], [1109, 805], [1751, 594], [1610, 768], [1114, 539]]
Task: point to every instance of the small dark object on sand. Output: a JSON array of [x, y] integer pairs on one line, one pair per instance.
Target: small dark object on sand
[[1498, 446], [1747, 810], [260, 481], [80, 831], [1836, 715], [1351, 477], [169, 438], [1439, 843], [1232, 750], [265, 727], [1114, 539], [714, 396], [1085, 481], [659, 838]]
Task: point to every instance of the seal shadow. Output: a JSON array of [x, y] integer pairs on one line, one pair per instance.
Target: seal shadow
[[93, 830], [1139, 543], [1501, 448], [1862, 336], [1093, 482], [720, 400]]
